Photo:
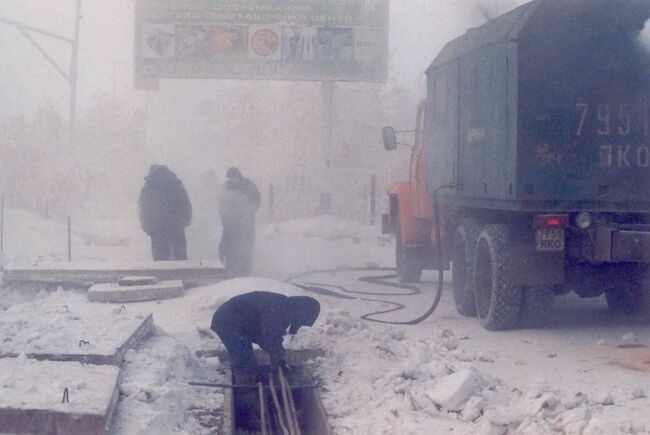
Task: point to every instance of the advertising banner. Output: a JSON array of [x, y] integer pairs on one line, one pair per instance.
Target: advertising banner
[[322, 40]]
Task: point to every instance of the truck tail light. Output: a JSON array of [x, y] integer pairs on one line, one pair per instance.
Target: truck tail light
[[551, 220]]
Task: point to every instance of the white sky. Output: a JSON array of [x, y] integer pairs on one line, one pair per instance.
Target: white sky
[[419, 28]]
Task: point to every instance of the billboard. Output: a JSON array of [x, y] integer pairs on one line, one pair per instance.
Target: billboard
[[344, 40]]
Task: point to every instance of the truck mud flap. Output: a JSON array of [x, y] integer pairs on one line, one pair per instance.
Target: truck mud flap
[[528, 267], [631, 246]]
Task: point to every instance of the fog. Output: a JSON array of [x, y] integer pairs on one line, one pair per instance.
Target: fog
[[272, 130], [493, 280]]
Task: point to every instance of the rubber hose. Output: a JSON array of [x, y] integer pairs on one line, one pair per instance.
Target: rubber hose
[[315, 287]]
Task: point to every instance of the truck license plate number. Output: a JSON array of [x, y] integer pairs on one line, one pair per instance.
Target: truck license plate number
[[550, 239]]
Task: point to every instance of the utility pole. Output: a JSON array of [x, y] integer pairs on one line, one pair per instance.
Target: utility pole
[[73, 78], [327, 117], [71, 75]]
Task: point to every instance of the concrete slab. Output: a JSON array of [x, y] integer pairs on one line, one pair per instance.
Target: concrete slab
[[85, 273], [32, 393], [116, 293], [77, 331]]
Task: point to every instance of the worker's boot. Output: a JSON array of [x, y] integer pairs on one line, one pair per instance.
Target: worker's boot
[[247, 402]]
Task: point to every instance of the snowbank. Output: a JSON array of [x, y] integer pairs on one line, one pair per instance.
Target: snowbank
[[324, 242]]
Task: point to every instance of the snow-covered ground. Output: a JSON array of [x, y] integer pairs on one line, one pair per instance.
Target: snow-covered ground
[[444, 375]]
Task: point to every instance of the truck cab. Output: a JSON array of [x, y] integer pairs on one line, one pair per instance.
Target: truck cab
[[410, 213]]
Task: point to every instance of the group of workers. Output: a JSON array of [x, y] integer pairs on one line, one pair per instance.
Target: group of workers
[[258, 317], [166, 210]]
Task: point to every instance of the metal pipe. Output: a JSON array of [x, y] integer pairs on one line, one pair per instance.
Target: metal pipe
[[34, 29], [278, 409], [69, 240], [231, 386], [285, 399], [260, 390], [290, 405], [44, 53]]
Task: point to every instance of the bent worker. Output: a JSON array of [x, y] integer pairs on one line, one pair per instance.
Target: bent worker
[[262, 318]]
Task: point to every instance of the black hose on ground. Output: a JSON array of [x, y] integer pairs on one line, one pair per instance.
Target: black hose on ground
[[382, 280]]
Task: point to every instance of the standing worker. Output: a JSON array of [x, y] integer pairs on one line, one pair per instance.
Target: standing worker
[[238, 204], [165, 212], [262, 318]]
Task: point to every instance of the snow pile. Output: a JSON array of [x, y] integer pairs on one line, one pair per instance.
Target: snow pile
[[379, 381], [324, 242], [155, 396]]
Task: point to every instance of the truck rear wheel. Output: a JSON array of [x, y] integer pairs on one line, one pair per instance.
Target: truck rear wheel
[[463, 259], [626, 300], [625, 292], [498, 303], [536, 306], [408, 264]]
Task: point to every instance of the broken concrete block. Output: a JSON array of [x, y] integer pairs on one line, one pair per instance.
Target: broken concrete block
[[456, 389], [473, 408], [48, 397], [547, 401], [117, 293], [604, 398], [499, 420], [573, 422]]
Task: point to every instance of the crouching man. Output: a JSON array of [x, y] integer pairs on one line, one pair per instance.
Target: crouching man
[[262, 318]]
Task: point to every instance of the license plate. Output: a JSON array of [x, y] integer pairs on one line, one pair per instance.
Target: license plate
[[550, 239]]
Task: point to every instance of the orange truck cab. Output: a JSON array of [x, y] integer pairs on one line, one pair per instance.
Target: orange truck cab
[[410, 212]]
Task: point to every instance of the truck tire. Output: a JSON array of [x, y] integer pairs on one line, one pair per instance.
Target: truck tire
[[498, 303], [626, 300], [536, 306], [625, 292], [408, 265], [463, 259]]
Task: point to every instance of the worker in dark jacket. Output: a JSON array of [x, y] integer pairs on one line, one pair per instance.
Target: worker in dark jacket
[[262, 318], [165, 212], [238, 204]]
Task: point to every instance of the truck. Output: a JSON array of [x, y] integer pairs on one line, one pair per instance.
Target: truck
[[530, 172]]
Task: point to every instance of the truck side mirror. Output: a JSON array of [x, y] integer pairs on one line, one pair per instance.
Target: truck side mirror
[[390, 139]]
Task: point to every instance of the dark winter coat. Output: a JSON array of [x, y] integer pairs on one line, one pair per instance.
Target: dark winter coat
[[164, 203], [263, 318]]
